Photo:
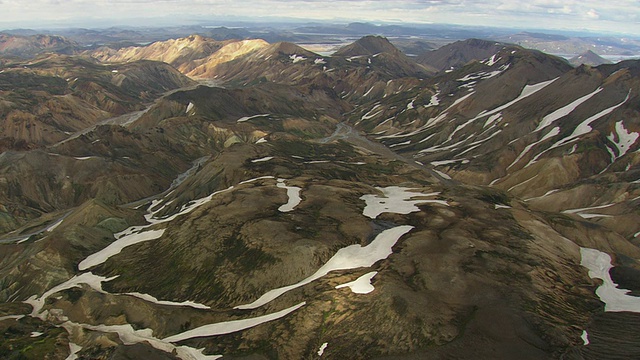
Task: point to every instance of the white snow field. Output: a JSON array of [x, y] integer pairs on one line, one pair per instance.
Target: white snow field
[[622, 139], [116, 247], [361, 285], [350, 257], [614, 299], [247, 118], [565, 110], [94, 281], [153, 299], [227, 327], [293, 193], [397, 200]]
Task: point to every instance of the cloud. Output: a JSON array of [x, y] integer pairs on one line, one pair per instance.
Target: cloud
[[574, 14], [592, 14]]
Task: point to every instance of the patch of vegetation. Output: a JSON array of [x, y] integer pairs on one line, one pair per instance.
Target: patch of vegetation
[[494, 196], [19, 345], [400, 305], [247, 258], [559, 219], [73, 294]]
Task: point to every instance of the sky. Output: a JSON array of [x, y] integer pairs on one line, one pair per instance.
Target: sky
[[619, 16]]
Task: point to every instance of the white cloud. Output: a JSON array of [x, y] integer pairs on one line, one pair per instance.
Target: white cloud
[[573, 14], [592, 14]]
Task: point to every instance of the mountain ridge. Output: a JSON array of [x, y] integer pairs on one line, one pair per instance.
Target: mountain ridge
[[281, 211]]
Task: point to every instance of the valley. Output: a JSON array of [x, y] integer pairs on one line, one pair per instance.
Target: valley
[[197, 198]]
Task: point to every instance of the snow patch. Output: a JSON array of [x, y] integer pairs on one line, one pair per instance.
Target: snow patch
[[622, 139], [581, 211], [228, 327], [94, 281], [347, 258], [189, 107], [583, 128], [527, 91], [322, 348], [585, 338], [368, 91], [293, 193], [614, 299], [74, 349], [296, 58], [433, 101], [371, 114], [361, 285], [555, 131], [447, 162], [116, 247], [442, 174], [522, 183], [396, 200], [54, 225], [266, 158], [189, 353], [152, 299], [565, 110], [492, 60], [247, 118]]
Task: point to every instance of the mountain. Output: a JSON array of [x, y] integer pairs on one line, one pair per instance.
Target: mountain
[[563, 44], [459, 53], [378, 46], [29, 46], [560, 133], [414, 48], [46, 99], [368, 45], [337, 207], [179, 53], [588, 58]]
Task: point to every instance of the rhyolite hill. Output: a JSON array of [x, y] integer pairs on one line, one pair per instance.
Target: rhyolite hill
[[215, 204]]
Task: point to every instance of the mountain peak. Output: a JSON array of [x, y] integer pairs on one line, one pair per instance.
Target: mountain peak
[[289, 49], [368, 45], [588, 58], [459, 53]]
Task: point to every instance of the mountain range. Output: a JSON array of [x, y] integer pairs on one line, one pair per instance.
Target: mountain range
[[195, 198]]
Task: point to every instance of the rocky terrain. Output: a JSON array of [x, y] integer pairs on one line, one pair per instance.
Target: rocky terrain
[[293, 205]]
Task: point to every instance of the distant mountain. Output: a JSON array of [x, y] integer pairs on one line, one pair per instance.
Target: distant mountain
[[459, 53], [29, 46], [412, 47], [378, 46], [588, 58], [354, 77], [560, 44], [368, 45]]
